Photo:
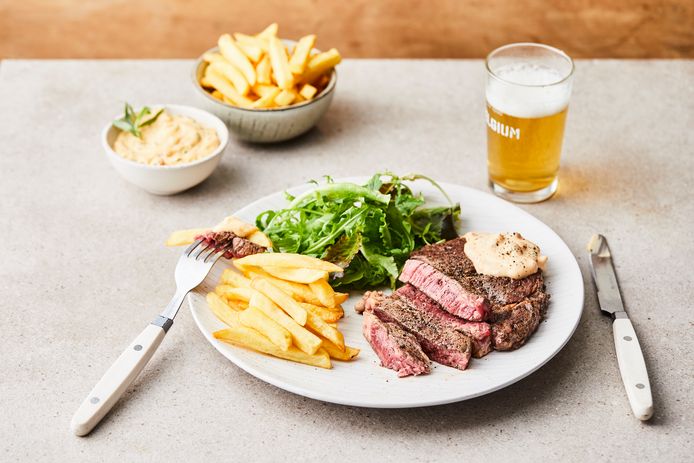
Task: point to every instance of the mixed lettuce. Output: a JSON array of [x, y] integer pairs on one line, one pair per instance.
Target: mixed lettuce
[[369, 230]]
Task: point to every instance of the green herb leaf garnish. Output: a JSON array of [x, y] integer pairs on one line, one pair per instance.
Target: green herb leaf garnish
[[131, 122], [369, 230]]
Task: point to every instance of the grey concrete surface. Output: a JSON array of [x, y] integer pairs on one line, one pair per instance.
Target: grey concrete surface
[[83, 268]]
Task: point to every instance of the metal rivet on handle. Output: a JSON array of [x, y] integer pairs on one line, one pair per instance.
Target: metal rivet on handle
[[639, 386], [627, 338], [137, 347], [94, 400]]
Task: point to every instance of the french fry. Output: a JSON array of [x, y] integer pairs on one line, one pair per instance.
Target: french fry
[[222, 310], [256, 319], [184, 237], [328, 315], [260, 238], [251, 40], [280, 64], [264, 71], [320, 64], [286, 97], [212, 57], [267, 101], [282, 299], [298, 291], [225, 87], [231, 293], [217, 94], [350, 353], [247, 337], [340, 298], [262, 89], [233, 278], [302, 338], [308, 91], [302, 50], [324, 292], [277, 259], [317, 325], [253, 52], [235, 225], [269, 31], [206, 83], [297, 275], [232, 53], [231, 73]]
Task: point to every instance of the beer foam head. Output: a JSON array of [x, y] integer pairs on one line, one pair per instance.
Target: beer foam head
[[528, 90]]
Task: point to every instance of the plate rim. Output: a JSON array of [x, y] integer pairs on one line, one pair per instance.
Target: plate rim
[[251, 369]]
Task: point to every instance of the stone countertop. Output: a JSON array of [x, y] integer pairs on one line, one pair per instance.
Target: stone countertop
[[84, 268]]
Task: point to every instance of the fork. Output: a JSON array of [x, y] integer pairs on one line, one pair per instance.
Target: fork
[[191, 269]]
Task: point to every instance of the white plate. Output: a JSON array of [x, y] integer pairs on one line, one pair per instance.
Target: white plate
[[363, 382]]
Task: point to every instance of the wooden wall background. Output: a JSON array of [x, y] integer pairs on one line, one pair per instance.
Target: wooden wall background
[[359, 28]]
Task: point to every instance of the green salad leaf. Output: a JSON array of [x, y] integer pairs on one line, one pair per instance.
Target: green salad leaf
[[131, 122], [369, 230]]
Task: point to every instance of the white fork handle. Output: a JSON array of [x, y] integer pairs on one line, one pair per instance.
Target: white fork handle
[[117, 379], [633, 368]]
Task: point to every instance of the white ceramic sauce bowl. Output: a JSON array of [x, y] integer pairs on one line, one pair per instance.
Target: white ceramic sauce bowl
[[168, 180], [267, 125]]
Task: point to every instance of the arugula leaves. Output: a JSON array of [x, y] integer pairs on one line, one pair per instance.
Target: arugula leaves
[[369, 230], [131, 122]]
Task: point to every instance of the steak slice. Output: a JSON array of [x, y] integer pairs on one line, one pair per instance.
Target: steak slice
[[397, 349], [447, 291], [239, 247], [479, 332], [449, 277], [441, 343], [512, 324]]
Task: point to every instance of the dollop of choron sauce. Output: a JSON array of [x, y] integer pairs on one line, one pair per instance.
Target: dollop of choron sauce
[[503, 254]]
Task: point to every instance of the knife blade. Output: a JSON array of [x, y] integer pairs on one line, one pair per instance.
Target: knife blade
[[632, 365]]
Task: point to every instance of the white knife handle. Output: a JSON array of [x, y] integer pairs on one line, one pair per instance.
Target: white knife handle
[[633, 368], [117, 379]]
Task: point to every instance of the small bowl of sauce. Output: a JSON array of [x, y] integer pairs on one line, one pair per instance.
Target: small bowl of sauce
[[176, 151]]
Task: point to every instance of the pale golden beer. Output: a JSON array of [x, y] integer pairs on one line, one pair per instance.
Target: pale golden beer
[[528, 91]]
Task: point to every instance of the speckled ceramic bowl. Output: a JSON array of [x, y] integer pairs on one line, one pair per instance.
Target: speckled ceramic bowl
[[265, 125]]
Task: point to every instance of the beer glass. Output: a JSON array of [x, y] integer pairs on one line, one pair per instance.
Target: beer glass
[[528, 91]]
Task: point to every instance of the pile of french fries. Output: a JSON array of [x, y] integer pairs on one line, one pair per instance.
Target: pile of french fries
[[258, 71], [282, 305]]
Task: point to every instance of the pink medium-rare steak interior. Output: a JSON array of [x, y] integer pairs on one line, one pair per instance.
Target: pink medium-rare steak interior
[[448, 292], [440, 342], [479, 332], [396, 348]]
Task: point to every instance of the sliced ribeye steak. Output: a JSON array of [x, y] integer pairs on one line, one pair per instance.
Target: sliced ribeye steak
[[512, 324], [449, 277], [479, 332], [397, 349], [442, 344]]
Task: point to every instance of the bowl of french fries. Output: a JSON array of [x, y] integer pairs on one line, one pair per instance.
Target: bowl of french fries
[[265, 88]]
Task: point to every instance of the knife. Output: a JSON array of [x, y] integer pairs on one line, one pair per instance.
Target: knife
[[629, 356]]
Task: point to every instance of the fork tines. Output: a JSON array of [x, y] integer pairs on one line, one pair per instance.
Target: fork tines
[[206, 251]]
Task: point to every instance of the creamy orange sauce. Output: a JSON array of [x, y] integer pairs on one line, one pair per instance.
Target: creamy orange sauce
[[168, 141], [503, 254]]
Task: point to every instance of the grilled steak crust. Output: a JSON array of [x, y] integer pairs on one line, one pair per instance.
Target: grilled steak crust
[[512, 324], [479, 332], [447, 291], [449, 260], [441, 343], [397, 349], [240, 247]]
